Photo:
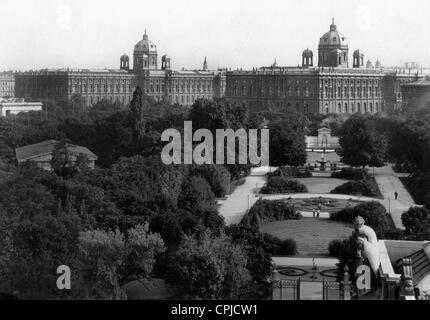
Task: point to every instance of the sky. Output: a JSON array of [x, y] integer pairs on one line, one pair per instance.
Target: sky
[[37, 34]]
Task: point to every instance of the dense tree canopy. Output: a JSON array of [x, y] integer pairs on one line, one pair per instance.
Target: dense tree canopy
[[287, 143], [360, 144]]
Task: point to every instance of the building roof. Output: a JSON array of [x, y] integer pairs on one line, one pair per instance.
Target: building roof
[[420, 263], [333, 38], [145, 45], [47, 147], [421, 83], [148, 289]]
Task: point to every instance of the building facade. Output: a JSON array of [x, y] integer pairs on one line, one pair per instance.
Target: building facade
[[162, 84], [331, 87], [13, 106], [416, 94], [7, 85]]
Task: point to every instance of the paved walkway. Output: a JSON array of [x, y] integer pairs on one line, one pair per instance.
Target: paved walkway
[[235, 206], [244, 197], [389, 183]]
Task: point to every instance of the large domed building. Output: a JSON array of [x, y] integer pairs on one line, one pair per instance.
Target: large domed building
[[145, 54], [333, 86], [183, 87], [333, 49]]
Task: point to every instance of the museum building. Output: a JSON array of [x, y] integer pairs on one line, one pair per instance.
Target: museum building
[[331, 86], [117, 85]]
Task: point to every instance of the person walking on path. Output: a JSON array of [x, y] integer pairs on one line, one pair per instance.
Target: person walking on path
[[313, 212], [396, 195], [318, 213]]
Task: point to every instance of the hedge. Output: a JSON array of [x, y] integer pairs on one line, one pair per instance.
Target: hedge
[[366, 187], [282, 184], [265, 211], [350, 173], [291, 172], [374, 214]]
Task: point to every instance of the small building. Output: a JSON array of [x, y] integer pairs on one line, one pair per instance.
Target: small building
[[416, 94], [324, 140], [41, 154], [15, 106]]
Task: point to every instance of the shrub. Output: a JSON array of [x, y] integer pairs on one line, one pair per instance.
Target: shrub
[[264, 211], [373, 213], [281, 184], [288, 247], [350, 173], [276, 246], [335, 247], [366, 187], [291, 172]]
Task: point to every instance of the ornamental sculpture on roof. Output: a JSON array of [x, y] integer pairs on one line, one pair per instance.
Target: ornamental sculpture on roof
[[368, 243]]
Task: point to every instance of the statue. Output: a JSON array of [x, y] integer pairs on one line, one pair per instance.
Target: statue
[[368, 243]]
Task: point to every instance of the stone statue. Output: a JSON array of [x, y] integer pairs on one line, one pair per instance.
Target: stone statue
[[368, 241]]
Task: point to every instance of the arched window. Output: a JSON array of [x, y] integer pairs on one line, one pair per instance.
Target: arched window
[[346, 108], [339, 108], [326, 109], [376, 107], [370, 107], [358, 107], [364, 107]]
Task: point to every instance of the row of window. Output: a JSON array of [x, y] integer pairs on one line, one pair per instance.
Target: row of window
[[181, 88], [244, 91], [365, 92], [100, 81], [101, 88], [364, 108]]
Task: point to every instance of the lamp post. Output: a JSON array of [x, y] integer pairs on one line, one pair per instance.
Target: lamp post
[[389, 205]]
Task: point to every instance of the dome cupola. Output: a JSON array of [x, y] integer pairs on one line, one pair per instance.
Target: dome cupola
[[145, 54], [333, 48]]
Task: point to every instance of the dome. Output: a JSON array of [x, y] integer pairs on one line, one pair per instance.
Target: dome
[[357, 52], [333, 38], [308, 52], [125, 57], [145, 45]]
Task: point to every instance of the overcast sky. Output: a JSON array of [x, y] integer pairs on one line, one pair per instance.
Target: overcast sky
[[38, 34]]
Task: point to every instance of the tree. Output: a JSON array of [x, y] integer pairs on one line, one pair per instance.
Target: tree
[[195, 194], [417, 223], [360, 144], [211, 267], [107, 258], [36, 236], [62, 161], [137, 106], [287, 143], [255, 246], [217, 176], [411, 145], [208, 114]]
